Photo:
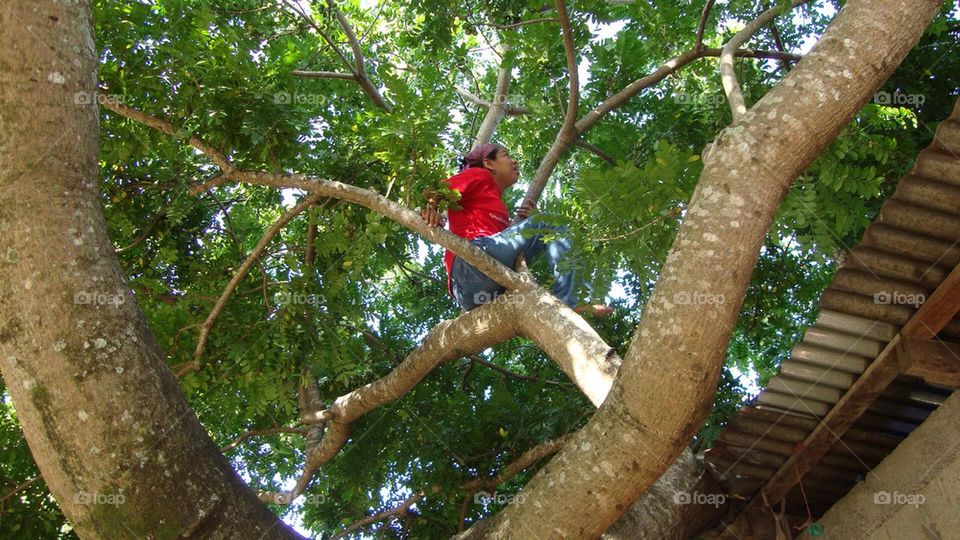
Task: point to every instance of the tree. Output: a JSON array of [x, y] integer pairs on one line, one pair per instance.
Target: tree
[[93, 345]]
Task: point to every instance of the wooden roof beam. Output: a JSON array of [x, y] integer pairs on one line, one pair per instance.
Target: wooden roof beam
[[936, 362], [911, 352]]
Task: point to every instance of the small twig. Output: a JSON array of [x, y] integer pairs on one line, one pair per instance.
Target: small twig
[[146, 231], [594, 150], [509, 110], [259, 432], [244, 269], [518, 24], [323, 75], [19, 487], [476, 359], [398, 511], [671, 214]]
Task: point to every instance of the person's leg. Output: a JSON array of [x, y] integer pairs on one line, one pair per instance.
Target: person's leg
[[472, 287], [510, 242]]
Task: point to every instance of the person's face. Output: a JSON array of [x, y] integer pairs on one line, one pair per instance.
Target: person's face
[[504, 169]]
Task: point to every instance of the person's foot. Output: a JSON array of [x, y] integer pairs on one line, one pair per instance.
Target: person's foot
[[596, 310]]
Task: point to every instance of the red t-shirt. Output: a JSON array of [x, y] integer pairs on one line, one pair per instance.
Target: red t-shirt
[[482, 210]]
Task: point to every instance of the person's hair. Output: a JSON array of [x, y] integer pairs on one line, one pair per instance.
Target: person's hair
[[475, 157]]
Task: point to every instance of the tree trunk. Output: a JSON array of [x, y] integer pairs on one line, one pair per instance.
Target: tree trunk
[[110, 429], [668, 377], [684, 501]]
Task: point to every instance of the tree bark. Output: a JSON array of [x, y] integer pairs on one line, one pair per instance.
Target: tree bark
[[110, 429], [669, 375], [684, 501]]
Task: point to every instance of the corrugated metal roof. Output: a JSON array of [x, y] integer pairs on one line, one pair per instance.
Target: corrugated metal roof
[[904, 255]]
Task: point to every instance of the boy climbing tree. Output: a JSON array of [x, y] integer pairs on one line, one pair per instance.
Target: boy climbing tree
[[483, 219]]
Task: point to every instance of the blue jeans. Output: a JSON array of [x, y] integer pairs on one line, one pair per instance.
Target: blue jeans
[[472, 287]]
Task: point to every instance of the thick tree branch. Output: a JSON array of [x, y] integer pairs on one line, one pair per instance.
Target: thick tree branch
[[497, 107], [728, 75], [402, 215], [669, 375]]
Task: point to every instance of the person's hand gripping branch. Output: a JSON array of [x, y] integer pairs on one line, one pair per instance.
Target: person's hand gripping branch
[[526, 209], [430, 214]]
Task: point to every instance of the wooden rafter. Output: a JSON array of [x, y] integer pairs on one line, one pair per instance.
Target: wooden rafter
[[910, 352]]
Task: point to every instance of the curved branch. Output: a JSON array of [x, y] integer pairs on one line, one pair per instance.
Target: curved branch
[[364, 197], [306, 16], [561, 145], [242, 273], [400, 214], [469, 333], [161, 125], [359, 71], [728, 75]]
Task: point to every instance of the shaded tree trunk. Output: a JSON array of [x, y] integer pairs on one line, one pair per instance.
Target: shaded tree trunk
[[106, 421], [668, 378]]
